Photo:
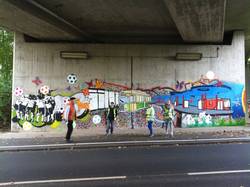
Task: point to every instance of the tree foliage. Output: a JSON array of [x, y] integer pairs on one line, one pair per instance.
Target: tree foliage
[[6, 58]]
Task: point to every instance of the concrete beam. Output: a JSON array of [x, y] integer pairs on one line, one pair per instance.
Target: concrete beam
[[198, 20], [18, 20], [41, 12]]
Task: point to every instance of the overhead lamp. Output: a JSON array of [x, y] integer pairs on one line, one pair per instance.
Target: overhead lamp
[[188, 56], [74, 54]]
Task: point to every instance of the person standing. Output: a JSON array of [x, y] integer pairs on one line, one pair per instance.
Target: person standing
[[166, 118], [150, 116], [70, 116], [170, 126], [111, 117]]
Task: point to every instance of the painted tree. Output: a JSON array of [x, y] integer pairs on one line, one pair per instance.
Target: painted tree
[[6, 58]]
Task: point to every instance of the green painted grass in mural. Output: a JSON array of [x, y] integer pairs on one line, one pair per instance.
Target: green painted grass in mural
[[36, 121], [219, 123]]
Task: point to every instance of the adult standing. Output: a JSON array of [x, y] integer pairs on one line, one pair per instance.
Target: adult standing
[[166, 118], [70, 116], [170, 126], [111, 117], [150, 117]]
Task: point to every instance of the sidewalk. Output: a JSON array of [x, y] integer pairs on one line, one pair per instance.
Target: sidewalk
[[100, 131], [95, 137]]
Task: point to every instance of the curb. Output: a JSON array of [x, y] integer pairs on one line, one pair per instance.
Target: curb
[[121, 144]]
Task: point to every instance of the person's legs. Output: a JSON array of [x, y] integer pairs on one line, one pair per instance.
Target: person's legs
[[70, 130], [150, 123], [166, 125], [111, 126], [172, 129]]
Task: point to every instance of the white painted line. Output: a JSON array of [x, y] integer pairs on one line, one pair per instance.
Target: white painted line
[[123, 142], [62, 180], [219, 172]]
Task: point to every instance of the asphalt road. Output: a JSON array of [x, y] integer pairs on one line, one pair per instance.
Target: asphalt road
[[144, 166]]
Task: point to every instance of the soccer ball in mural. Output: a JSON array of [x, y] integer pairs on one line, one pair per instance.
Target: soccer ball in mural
[[18, 91], [44, 90], [65, 100], [27, 126], [72, 79], [96, 119]]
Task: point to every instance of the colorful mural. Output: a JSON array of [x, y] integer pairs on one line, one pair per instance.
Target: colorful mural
[[218, 103], [203, 103]]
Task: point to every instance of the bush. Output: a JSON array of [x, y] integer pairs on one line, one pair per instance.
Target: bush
[[6, 58]]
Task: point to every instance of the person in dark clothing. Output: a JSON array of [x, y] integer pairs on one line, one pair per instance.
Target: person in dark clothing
[[111, 117], [70, 117]]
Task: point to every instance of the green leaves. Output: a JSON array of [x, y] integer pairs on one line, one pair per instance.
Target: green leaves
[[6, 59]]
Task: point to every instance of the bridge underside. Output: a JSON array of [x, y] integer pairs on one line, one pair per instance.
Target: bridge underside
[[191, 53]]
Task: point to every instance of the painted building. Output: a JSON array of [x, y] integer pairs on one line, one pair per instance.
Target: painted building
[[223, 102], [134, 100]]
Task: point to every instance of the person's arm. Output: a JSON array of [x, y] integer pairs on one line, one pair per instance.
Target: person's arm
[[153, 112], [116, 112], [76, 107], [171, 114]]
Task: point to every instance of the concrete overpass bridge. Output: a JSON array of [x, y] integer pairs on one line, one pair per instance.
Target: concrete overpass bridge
[[133, 21], [191, 52]]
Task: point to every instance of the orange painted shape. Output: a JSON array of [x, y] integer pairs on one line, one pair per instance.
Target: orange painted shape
[[85, 91], [82, 105], [99, 84], [211, 104], [159, 115]]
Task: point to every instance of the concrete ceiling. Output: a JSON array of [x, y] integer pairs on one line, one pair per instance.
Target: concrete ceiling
[[127, 21]]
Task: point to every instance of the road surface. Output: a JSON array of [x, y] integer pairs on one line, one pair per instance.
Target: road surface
[[196, 165]]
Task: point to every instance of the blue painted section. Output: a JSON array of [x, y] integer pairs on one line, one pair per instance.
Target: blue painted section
[[217, 89]]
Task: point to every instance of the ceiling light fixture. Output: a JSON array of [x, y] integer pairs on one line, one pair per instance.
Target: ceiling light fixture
[[188, 56], [74, 55]]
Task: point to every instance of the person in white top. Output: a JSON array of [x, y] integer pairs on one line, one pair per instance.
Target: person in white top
[[172, 114]]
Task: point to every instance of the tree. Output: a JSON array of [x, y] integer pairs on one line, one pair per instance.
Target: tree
[[6, 58]]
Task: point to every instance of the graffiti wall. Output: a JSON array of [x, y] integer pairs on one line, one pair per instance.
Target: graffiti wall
[[208, 103], [202, 103]]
